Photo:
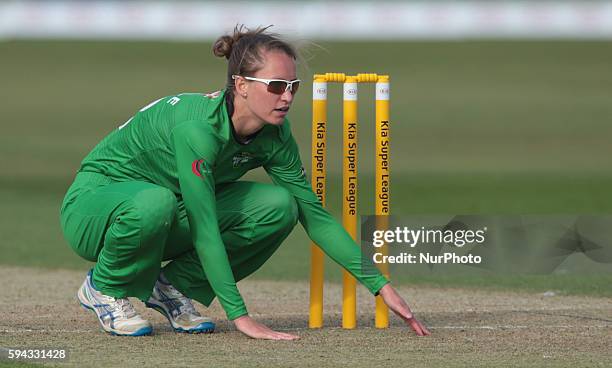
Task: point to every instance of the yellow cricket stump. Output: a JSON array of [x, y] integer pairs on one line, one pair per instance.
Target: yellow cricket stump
[[318, 181], [382, 208], [349, 194], [349, 186]]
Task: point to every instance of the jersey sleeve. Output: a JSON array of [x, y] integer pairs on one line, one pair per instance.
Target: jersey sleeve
[[285, 169], [196, 148]]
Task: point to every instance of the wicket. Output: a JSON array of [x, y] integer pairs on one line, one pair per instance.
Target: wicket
[[349, 183]]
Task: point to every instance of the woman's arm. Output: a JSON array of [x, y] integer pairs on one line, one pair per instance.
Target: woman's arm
[[196, 147]]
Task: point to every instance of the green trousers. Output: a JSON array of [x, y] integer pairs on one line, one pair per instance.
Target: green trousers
[[130, 228]]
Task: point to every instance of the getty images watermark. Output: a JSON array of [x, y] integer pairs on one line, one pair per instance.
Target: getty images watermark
[[413, 238], [527, 244]]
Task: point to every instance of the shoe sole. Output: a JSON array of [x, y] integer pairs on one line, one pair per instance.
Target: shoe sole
[[202, 328], [145, 331]]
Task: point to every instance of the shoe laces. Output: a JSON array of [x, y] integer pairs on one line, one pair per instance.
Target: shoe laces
[[185, 304], [124, 307]]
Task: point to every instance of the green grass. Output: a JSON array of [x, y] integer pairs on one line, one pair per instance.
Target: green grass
[[477, 127]]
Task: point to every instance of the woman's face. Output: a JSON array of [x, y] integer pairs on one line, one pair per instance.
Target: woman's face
[[267, 106]]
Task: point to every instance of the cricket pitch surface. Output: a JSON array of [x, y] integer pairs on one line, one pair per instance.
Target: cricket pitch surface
[[38, 309]]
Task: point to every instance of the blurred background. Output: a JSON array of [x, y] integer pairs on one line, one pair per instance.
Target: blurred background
[[497, 107]]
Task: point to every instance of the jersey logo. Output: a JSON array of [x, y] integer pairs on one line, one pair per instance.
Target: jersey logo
[[241, 158], [200, 167]]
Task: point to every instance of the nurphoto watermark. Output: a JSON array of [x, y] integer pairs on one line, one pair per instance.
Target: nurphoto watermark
[[517, 244]]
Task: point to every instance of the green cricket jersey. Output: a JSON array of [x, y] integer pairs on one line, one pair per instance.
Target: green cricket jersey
[[186, 143]]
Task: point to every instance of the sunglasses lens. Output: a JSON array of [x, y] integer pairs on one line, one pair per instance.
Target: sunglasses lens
[[277, 87], [294, 87]]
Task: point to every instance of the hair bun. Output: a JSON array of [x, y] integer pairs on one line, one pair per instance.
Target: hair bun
[[223, 46]]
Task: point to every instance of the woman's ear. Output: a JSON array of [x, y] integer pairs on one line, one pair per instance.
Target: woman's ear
[[241, 86]]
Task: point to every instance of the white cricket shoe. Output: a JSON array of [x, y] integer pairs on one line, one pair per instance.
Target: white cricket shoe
[[178, 309], [117, 316]]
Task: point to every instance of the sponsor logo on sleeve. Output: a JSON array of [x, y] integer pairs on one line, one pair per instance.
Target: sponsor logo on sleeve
[[200, 167]]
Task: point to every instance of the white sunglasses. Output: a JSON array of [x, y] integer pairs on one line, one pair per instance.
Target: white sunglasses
[[276, 86]]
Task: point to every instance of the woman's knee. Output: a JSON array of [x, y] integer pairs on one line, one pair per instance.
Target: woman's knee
[[156, 208], [284, 206]]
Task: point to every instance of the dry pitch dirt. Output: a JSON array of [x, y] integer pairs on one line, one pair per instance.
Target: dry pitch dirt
[[38, 308]]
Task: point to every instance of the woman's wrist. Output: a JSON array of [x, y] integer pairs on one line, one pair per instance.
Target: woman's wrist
[[384, 289], [241, 318]]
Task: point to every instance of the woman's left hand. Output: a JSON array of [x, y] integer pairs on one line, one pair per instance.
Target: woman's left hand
[[397, 304]]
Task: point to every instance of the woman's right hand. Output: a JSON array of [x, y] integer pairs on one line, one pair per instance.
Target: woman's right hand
[[399, 306], [256, 330]]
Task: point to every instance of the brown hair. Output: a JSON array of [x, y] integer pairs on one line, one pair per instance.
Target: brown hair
[[243, 50]]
